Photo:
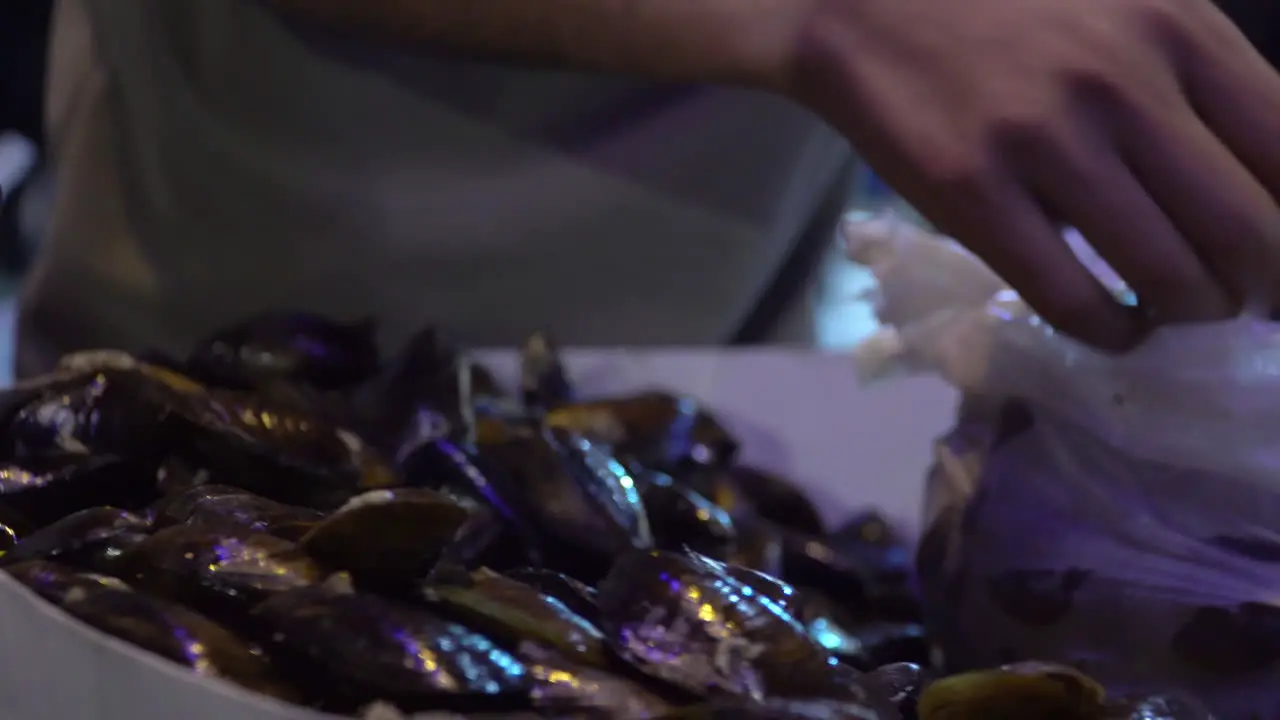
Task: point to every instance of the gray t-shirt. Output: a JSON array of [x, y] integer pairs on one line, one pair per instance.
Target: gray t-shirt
[[215, 160]]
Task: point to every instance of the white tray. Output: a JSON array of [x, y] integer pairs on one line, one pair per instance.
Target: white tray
[[798, 413]]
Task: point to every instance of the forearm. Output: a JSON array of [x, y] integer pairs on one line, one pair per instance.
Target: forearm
[[748, 42]]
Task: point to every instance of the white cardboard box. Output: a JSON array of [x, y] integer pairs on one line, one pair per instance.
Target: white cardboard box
[[798, 413]]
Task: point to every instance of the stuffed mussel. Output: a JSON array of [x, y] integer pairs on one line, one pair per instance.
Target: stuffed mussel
[[285, 509]]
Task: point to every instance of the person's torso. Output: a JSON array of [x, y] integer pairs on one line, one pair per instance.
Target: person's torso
[[227, 162]]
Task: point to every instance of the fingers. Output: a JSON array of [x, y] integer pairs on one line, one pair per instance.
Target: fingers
[[1094, 192], [1219, 208], [1010, 232], [1235, 91]]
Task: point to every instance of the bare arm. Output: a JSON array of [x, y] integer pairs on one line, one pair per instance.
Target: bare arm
[[744, 42]]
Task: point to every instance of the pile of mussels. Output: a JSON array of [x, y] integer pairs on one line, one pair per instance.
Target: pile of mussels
[[286, 511]]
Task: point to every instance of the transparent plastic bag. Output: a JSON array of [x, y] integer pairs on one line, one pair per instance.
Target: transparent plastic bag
[[1121, 514]]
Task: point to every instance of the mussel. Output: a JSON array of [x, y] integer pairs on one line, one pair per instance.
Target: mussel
[[295, 346], [95, 540], [514, 614], [662, 431], [54, 582], [583, 503], [39, 491], [543, 380], [1015, 692], [745, 490], [902, 683], [103, 405], [391, 538], [682, 519], [349, 649], [175, 633], [563, 688], [221, 571], [1159, 707], [576, 596], [682, 621], [225, 505], [278, 453]]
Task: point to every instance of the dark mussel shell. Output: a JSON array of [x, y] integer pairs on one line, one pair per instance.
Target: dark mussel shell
[[746, 490], [662, 431], [391, 538], [576, 596], [94, 539], [759, 546], [223, 505], [349, 649], [514, 614], [220, 571], [1159, 707], [428, 392], [682, 519], [8, 538], [873, 706], [543, 381], [295, 346], [815, 562], [125, 408], [902, 683], [1027, 690], [583, 503], [879, 547], [40, 491], [176, 634], [53, 581], [562, 688], [287, 456], [477, 481], [865, 646], [678, 619]]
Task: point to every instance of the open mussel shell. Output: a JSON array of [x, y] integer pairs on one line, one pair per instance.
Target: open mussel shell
[[576, 596], [1026, 690], [474, 481], [43, 490], [662, 431], [582, 501], [95, 540], [221, 571], [53, 581], [390, 538], [174, 633], [514, 614], [224, 505], [296, 346], [427, 392], [348, 649], [681, 621], [681, 518]]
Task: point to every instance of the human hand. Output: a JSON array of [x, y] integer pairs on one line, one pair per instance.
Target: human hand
[[1152, 126]]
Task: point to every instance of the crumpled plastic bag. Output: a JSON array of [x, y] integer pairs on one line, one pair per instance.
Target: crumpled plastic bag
[[1120, 514]]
